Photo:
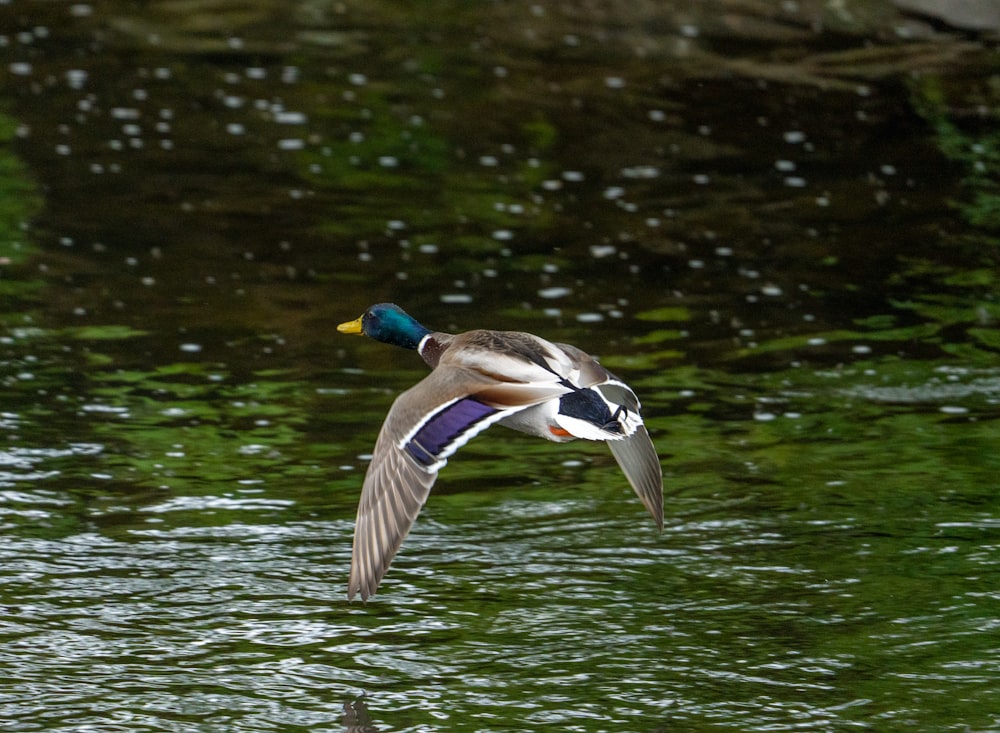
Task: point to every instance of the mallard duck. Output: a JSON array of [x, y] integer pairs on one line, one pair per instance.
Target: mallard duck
[[554, 391]]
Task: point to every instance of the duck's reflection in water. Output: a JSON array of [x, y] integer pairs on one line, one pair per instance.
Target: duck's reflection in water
[[356, 718]]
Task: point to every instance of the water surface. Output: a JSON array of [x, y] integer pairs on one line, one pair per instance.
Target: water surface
[[780, 229]]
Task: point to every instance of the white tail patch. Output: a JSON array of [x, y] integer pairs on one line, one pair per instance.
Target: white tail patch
[[627, 417]]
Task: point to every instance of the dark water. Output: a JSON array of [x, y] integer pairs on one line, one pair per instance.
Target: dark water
[[780, 227]]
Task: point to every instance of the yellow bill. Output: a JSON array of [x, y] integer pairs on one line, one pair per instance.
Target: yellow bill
[[351, 326]]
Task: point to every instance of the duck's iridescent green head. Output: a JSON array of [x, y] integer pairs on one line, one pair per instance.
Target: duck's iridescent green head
[[388, 323]]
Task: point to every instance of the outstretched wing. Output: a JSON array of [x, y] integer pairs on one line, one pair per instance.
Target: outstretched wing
[[638, 460], [635, 453], [425, 425]]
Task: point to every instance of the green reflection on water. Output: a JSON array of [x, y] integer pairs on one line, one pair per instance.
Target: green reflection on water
[[964, 140], [19, 202]]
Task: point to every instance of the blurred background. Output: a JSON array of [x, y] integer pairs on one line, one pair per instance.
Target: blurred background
[[777, 221]]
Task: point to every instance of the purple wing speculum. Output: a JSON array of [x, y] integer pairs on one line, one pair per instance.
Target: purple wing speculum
[[446, 430]]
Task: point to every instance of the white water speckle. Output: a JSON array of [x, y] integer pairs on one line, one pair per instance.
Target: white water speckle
[[554, 292], [290, 118]]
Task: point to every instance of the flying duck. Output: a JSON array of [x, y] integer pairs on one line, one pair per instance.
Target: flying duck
[[478, 378]]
